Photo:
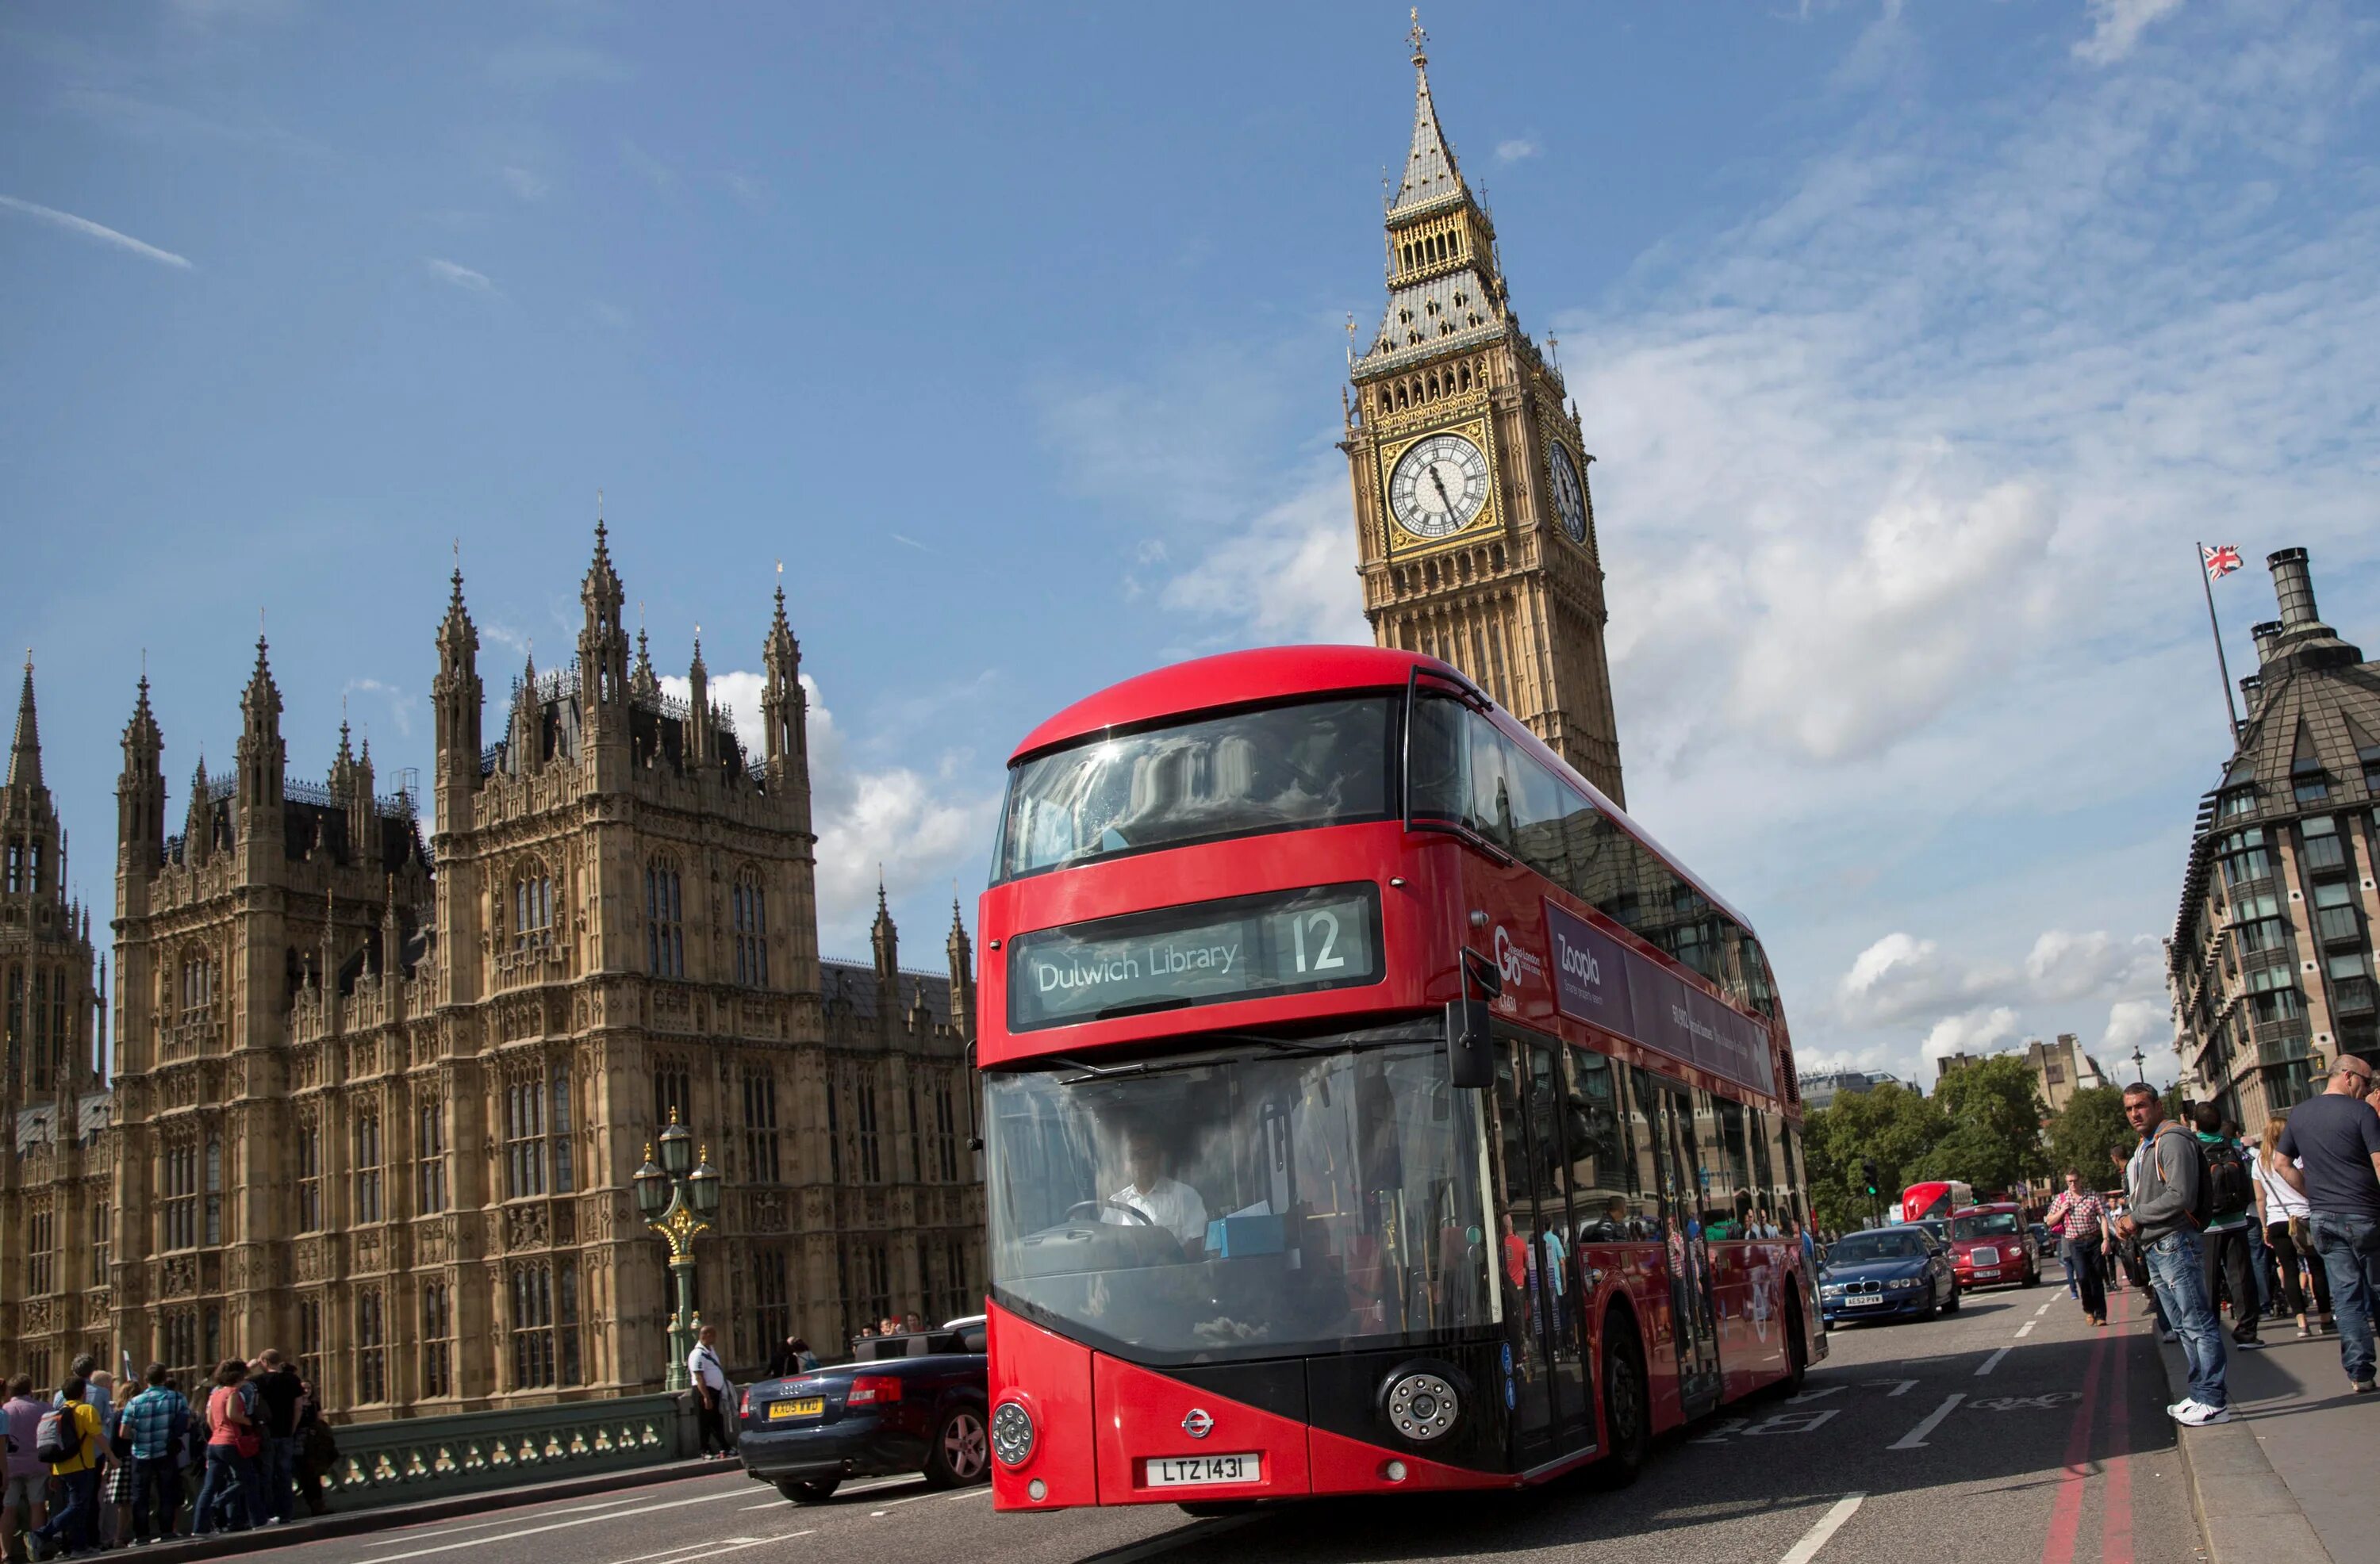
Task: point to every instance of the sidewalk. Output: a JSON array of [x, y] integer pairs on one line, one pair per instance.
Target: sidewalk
[[389, 1517], [2288, 1479]]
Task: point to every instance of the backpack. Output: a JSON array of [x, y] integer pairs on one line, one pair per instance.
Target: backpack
[[50, 1436], [2227, 1187], [2202, 1208]]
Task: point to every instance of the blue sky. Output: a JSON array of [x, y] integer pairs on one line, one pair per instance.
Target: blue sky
[[1916, 347]]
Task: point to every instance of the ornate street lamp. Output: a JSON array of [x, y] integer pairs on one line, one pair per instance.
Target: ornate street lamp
[[678, 1197]]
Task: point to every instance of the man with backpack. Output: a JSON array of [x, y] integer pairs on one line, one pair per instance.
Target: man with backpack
[[2231, 1199], [2169, 1201], [68, 1440]]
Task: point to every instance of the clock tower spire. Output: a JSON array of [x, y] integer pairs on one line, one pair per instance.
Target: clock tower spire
[[1475, 532]]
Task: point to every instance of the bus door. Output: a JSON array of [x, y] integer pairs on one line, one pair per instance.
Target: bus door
[[1534, 1254], [1670, 1118]]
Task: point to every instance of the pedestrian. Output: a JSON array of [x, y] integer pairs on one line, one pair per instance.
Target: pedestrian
[[2260, 1258], [2081, 1220], [2166, 1182], [793, 1357], [227, 1499], [116, 1478], [278, 1390], [2283, 1211], [69, 1436], [2330, 1153], [154, 1423], [2224, 1245], [24, 1504], [712, 1390], [317, 1450]]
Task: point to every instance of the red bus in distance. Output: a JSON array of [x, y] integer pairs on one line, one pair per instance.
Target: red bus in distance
[[1937, 1199], [1368, 1104]]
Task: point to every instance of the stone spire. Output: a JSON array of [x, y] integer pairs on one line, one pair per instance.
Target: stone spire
[[261, 756], [603, 662], [887, 940], [962, 955], [1430, 173], [456, 698], [641, 678], [25, 754], [198, 819], [140, 791], [699, 742], [784, 707]]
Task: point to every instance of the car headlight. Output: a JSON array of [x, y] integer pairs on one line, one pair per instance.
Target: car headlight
[[1902, 1283], [1011, 1433]]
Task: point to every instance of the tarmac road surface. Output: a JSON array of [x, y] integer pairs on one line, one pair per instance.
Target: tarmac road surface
[[2009, 1433]]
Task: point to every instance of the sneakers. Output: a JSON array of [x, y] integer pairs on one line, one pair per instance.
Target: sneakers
[[2198, 1415], [2364, 1385], [2248, 1343]]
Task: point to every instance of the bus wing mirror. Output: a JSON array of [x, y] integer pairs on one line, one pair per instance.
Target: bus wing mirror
[[1484, 974], [1470, 1058]]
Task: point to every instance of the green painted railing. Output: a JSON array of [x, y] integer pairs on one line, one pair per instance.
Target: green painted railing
[[432, 1457]]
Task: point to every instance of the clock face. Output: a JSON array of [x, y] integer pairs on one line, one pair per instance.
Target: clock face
[[1439, 486], [1570, 494]]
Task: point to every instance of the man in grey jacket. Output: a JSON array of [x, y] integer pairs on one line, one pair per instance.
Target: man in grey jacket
[[2161, 1190]]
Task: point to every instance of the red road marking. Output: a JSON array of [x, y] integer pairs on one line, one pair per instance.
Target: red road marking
[[2116, 1540], [2066, 1516]]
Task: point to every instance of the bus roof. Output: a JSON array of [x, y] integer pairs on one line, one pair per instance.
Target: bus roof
[[1265, 674]]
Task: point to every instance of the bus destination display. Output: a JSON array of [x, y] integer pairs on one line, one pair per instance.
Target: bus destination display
[[1250, 946]]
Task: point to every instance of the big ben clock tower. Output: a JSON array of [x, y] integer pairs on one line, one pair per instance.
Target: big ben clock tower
[[1475, 530]]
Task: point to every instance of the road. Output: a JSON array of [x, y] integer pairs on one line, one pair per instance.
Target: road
[[2010, 1433]]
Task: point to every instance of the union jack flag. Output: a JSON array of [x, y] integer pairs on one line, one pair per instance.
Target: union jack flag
[[2222, 559]]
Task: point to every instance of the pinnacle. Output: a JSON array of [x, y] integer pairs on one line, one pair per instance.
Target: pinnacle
[[25, 755]]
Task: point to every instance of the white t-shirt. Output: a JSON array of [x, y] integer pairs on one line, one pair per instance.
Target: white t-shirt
[[1173, 1205], [703, 1367], [2281, 1202]]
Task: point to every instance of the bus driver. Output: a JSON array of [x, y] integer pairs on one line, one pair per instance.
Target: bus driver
[[1168, 1203]]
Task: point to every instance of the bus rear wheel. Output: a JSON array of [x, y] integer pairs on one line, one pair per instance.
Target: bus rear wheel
[[1627, 1406]]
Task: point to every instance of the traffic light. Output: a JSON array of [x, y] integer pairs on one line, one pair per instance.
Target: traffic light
[[1867, 1166]]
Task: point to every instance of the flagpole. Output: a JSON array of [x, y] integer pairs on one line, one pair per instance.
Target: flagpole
[[2222, 665]]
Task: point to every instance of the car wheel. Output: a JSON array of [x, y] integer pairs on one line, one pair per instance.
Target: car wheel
[[1933, 1304], [813, 1492], [2032, 1276], [961, 1451], [1627, 1406], [1957, 1300]]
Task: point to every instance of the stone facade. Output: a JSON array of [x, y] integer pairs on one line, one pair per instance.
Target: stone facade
[[2061, 1068], [1474, 525], [2270, 962], [381, 1083]]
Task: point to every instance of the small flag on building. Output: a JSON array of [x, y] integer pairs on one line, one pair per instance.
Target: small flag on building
[[2222, 559]]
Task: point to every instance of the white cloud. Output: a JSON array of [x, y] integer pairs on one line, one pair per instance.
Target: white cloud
[[2146, 1025], [1288, 576], [460, 276], [2064, 966], [91, 230], [2117, 26], [1516, 148], [1978, 1031], [920, 831], [525, 183], [400, 705]]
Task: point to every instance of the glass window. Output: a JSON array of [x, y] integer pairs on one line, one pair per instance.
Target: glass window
[[430, 1189], [1241, 1208], [1727, 1202], [1606, 1183], [2235, 801], [2309, 782], [309, 1179], [437, 1351], [2325, 848], [1316, 763], [664, 921]]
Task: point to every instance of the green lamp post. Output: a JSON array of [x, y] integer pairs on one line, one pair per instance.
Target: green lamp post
[[678, 1197]]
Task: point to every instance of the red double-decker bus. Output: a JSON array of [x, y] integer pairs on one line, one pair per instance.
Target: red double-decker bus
[[1369, 1103]]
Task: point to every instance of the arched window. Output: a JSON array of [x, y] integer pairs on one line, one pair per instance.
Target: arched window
[[310, 1179], [533, 919], [214, 1191], [180, 1207], [751, 902], [366, 1168], [665, 920]]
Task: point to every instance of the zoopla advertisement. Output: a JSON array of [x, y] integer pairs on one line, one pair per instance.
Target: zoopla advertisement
[[1600, 981]]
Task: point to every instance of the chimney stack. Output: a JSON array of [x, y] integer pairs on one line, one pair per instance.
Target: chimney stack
[[2252, 694], [2268, 637], [2294, 587]]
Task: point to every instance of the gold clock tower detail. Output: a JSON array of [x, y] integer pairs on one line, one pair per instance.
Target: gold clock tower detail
[[1476, 528]]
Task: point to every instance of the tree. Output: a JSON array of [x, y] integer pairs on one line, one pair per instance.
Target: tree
[[2086, 1129], [1995, 1126], [1897, 1128]]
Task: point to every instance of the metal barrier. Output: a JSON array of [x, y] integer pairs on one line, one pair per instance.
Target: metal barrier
[[423, 1457]]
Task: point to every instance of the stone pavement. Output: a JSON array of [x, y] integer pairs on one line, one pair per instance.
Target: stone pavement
[[2288, 1479]]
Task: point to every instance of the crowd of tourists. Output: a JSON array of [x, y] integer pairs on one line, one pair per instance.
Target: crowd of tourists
[[96, 1465]]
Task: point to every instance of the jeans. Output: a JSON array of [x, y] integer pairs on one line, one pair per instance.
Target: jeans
[[75, 1526], [2066, 1259], [275, 1466], [231, 1497], [2177, 1274], [2259, 1263], [2350, 1247], [2224, 1253], [156, 1496]]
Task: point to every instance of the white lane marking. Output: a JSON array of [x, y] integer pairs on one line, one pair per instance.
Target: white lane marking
[[2044, 1308], [609, 1514], [415, 1536], [1829, 1525], [1813, 1395], [1993, 1362], [971, 1493], [738, 1544], [776, 1503], [1915, 1438], [2024, 1330], [664, 1553], [1900, 1386]]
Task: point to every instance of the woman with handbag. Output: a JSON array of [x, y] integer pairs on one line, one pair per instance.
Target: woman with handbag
[[2284, 1212], [234, 1441]]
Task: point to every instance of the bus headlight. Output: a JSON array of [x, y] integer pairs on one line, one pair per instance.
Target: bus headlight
[[1011, 1433]]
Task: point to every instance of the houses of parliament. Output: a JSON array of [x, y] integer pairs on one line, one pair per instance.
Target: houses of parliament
[[379, 1083]]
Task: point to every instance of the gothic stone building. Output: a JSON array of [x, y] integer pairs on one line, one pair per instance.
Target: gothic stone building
[[379, 1098], [2270, 962], [1474, 528]]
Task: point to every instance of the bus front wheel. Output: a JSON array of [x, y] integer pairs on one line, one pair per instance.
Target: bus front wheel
[[1627, 1406]]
